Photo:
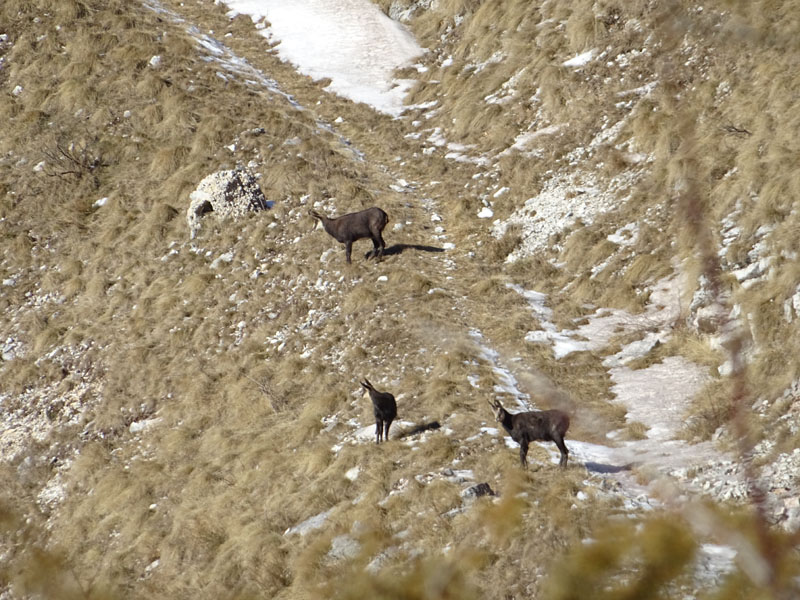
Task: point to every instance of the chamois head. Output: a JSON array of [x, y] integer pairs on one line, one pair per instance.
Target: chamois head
[[498, 410]]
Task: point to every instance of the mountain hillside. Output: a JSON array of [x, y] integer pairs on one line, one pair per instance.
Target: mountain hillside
[[592, 208]]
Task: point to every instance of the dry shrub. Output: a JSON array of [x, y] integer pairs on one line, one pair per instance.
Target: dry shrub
[[159, 222], [626, 559], [582, 27], [644, 267], [167, 160], [499, 249], [711, 409], [196, 283], [636, 430], [362, 297]]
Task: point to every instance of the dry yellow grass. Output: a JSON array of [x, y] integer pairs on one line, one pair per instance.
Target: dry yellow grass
[[249, 415]]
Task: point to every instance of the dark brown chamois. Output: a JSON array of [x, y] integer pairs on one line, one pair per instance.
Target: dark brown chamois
[[385, 409], [348, 228], [532, 426]]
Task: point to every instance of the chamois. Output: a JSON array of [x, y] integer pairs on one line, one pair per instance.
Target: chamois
[[385, 409], [348, 228], [531, 426]]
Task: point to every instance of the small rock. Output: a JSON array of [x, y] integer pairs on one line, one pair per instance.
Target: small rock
[[343, 547], [478, 490], [227, 257]]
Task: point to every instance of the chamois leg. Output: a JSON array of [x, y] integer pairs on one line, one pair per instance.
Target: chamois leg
[[564, 452], [379, 245], [523, 453], [374, 252], [386, 426], [378, 431], [348, 249]]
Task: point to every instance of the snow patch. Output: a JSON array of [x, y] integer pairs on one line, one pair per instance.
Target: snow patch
[[353, 43], [580, 60]]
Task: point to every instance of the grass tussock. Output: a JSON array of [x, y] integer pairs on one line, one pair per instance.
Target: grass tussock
[[712, 409], [665, 548]]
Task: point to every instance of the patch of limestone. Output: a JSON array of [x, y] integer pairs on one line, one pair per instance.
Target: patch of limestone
[[230, 193]]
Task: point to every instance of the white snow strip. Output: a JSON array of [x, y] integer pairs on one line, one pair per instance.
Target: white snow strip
[[507, 382], [525, 140], [579, 60], [350, 41]]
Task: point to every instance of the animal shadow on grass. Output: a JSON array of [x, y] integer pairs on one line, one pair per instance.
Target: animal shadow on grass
[[595, 467], [400, 248]]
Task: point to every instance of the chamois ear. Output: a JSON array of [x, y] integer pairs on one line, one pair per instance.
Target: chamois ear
[[315, 217]]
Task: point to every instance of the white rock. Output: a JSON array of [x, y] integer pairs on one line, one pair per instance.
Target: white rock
[[309, 525], [343, 547], [152, 566], [232, 193], [227, 257], [144, 425]]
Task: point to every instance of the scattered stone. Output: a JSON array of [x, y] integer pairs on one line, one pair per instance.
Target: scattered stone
[[144, 425], [476, 491], [226, 257], [309, 525]]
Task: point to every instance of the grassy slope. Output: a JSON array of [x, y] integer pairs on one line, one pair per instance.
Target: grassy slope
[[719, 118], [240, 453], [716, 126]]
